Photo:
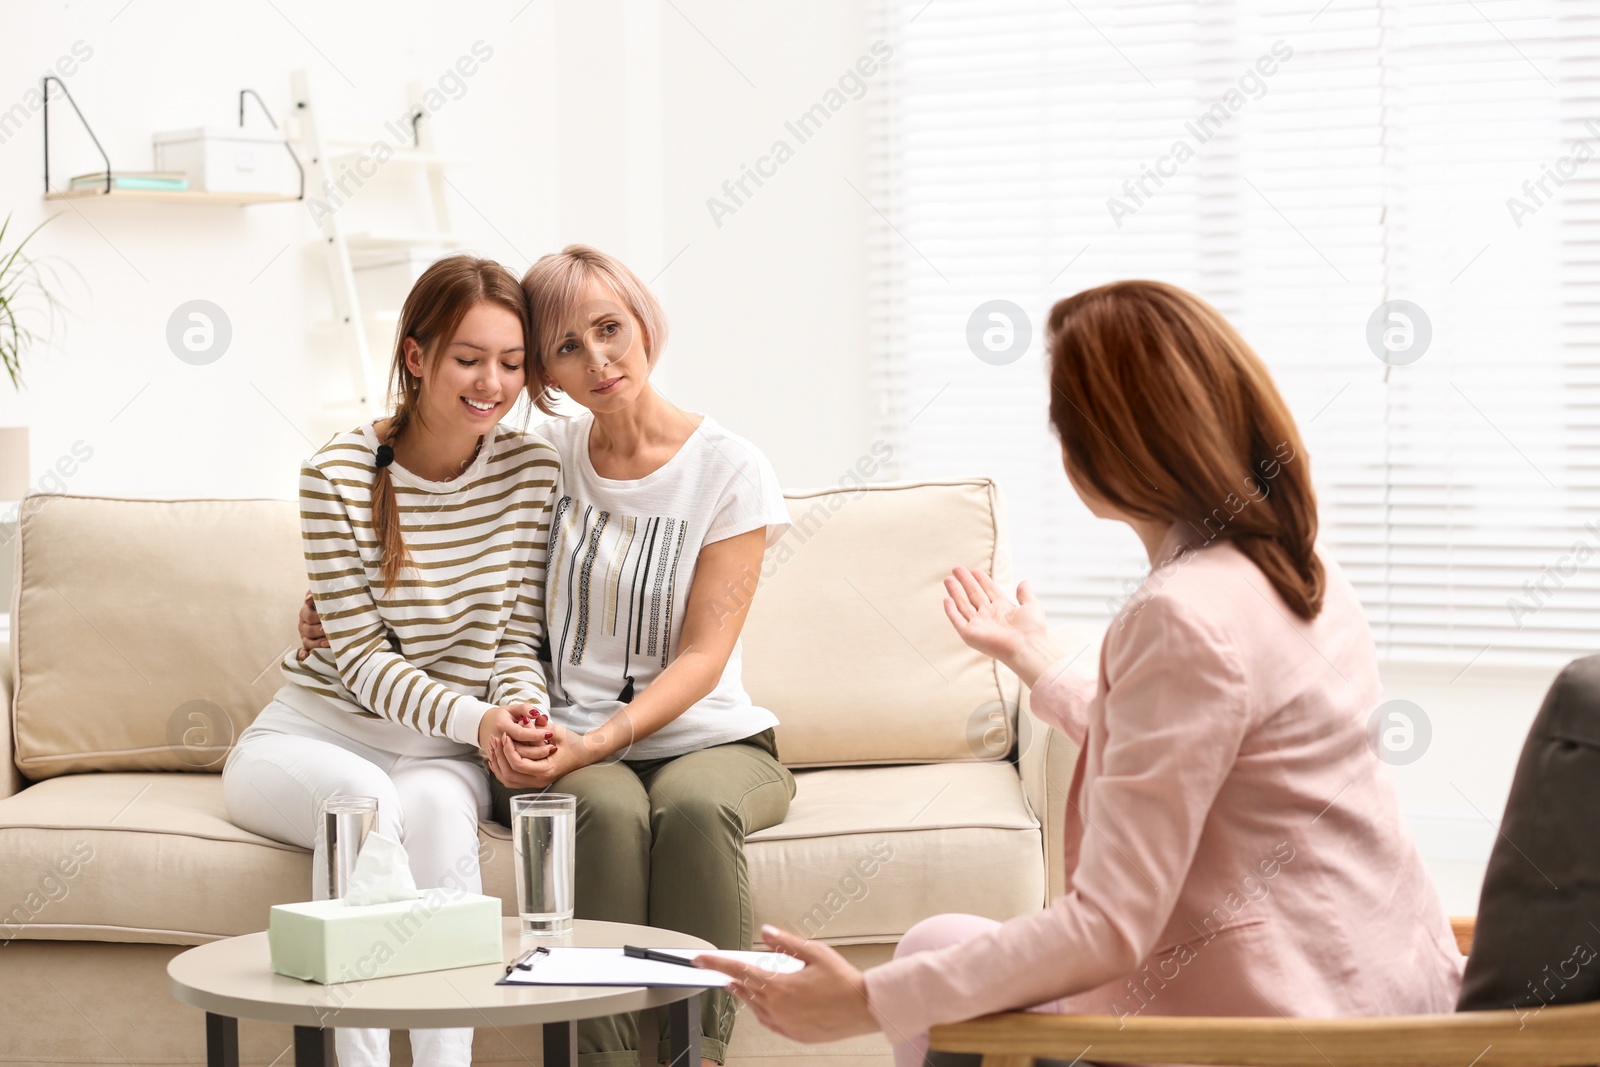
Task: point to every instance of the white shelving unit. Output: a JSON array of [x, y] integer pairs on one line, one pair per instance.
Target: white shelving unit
[[350, 250]]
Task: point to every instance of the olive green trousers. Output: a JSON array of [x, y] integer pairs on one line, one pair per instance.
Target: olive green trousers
[[661, 843]]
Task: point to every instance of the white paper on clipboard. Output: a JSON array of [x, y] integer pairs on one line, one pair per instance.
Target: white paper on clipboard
[[608, 966]]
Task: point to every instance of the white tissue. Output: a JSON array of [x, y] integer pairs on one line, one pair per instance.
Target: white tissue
[[382, 873]]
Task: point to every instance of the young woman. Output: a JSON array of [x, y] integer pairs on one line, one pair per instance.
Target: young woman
[[1233, 845], [661, 519], [424, 539]]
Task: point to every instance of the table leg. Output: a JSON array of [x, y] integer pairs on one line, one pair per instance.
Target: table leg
[[683, 1032], [222, 1041], [313, 1046], [561, 1044]]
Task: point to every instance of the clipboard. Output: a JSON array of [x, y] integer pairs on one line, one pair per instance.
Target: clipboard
[[558, 965]]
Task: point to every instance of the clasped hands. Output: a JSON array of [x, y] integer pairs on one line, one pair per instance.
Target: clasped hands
[[523, 749]]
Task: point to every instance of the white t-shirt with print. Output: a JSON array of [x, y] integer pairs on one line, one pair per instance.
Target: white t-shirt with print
[[622, 558]]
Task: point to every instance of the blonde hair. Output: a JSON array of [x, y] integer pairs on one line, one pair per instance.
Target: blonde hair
[[432, 313], [554, 287]]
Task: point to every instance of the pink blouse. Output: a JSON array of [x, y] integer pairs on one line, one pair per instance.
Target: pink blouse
[[1233, 844]]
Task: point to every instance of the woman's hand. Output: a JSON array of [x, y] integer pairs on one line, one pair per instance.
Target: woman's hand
[[514, 740], [311, 633], [988, 620], [555, 736], [519, 765], [824, 1001]]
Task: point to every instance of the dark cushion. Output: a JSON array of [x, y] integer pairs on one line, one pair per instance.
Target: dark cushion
[[1538, 935]]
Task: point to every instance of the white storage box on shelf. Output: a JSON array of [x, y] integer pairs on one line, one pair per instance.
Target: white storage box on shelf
[[228, 159]]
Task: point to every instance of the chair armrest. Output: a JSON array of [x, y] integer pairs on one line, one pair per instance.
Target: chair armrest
[[11, 780], [1540, 1038], [1045, 761]]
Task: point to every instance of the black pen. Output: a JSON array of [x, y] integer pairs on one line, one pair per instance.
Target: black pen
[[651, 954]]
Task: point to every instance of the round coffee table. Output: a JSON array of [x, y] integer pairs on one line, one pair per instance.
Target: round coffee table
[[232, 979]]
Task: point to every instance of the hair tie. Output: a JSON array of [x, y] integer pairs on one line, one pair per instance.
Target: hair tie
[[385, 455]]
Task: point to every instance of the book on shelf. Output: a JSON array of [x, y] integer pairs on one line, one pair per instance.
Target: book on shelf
[[165, 180]]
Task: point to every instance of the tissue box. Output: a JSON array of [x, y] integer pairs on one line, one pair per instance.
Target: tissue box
[[331, 941]]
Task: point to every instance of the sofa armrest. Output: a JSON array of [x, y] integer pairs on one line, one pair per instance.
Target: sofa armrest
[[11, 780], [1046, 759]]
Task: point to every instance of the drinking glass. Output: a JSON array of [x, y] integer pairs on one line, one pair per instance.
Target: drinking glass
[[346, 821], [543, 829]]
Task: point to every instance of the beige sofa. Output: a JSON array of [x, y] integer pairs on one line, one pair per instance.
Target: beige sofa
[[145, 635]]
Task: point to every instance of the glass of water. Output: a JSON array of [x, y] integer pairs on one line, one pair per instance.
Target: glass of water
[[543, 829], [346, 821]]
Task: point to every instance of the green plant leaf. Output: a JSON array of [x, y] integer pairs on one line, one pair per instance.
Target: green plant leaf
[[20, 277]]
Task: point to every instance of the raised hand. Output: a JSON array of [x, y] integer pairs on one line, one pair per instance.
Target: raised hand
[[1012, 631]]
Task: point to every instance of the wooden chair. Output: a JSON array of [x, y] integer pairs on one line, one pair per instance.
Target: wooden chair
[[1545, 1037]]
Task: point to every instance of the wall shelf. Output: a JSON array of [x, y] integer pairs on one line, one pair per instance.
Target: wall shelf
[[185, 196], [176, 196]]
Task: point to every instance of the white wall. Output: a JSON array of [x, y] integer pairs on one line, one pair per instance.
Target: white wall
[[608, 123], [769, 308], [1455, 791]]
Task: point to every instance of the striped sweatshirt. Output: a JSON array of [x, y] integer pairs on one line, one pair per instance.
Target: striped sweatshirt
[[413, 670]]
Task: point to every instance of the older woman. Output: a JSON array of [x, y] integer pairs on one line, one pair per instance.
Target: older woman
[[1233, 844]]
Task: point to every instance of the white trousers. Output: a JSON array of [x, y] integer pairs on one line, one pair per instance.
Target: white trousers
[[274, 784]]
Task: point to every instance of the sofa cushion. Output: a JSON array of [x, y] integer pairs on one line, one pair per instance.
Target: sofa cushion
[[147, 633], [137, 857], [847, 640], [865, 853]]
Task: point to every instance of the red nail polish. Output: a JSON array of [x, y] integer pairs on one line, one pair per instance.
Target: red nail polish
[[549, 737]]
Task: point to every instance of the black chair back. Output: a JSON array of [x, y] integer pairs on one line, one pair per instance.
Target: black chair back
[[1538, 936]]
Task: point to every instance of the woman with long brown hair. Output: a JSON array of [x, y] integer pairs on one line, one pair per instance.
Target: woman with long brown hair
[[424, 537], [1233, 845]]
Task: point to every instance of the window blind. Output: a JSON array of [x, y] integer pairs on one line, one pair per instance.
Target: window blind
[[1298, 168]]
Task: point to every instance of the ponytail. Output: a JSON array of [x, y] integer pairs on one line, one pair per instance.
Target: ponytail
[[393, 555]]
